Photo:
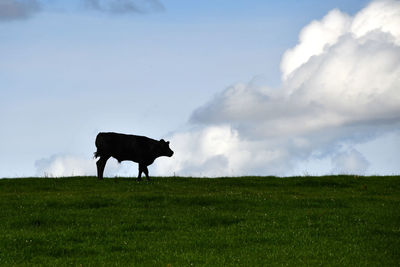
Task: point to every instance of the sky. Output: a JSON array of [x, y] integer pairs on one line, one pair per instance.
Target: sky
[[238, 87]]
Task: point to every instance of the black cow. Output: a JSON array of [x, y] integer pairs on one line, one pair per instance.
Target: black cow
[[140, 149]]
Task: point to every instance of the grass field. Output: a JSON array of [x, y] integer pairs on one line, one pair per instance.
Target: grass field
[[247, 221]]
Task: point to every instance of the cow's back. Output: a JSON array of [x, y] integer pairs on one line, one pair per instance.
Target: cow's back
[[123, 146]]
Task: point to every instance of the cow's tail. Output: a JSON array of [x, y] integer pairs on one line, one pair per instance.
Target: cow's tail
[[97, 142], [96, 154]]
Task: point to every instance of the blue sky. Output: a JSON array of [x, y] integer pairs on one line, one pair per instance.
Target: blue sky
[[68, 71]]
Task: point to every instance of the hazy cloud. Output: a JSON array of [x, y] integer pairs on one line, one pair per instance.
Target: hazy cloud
[[22, 9], [351, 162], [65, 165], [61, 165], [17, 9], [125, 6], [340, 84]]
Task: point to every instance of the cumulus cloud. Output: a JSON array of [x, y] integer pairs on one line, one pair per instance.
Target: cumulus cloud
[[340, 83], [17, 9], [218, 151], [125, 6], [314, 38]]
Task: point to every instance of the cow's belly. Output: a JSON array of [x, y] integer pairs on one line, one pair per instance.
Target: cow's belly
[[135, 157], [123, 157]]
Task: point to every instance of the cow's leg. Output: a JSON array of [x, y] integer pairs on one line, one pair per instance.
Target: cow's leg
[[139, 178], [101, 163], [143, 168], [146, 171]]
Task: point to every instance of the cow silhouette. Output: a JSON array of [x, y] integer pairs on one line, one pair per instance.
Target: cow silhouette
[[140, 149]]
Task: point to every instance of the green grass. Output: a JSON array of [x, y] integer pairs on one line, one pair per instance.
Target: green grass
[[247, 221]]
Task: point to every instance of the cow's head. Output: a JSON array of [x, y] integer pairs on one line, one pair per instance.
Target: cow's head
[[165, 150]]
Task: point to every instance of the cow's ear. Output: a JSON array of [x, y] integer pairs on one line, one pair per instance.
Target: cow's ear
[[167, 142]]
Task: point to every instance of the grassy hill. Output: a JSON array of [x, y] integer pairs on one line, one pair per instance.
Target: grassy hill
[[248, 221]]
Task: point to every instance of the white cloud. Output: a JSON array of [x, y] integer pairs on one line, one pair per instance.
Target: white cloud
[[340, 84], [379, 16], [17, 9]]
